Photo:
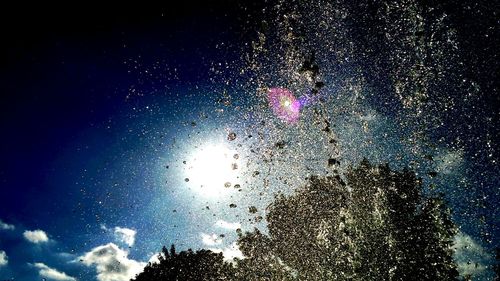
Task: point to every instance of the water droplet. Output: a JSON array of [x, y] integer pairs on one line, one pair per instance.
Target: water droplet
[[231, 136]]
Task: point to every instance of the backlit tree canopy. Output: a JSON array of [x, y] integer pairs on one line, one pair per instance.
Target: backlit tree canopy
[[371, 223]]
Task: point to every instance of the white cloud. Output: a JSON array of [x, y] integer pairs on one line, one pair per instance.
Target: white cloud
[[112, 263], [68, 256], [210, 240], [228, 225], [3, 258], [51, 273], [36, 236], [471, 258], [6, 226], [154, 258], [230, 252], [125, 235]]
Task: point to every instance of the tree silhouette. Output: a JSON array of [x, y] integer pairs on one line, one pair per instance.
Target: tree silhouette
[[370, 224], [260, 263], [374, 225], [187, 265]]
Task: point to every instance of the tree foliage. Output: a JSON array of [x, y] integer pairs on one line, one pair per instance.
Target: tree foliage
[[188, 266], [372, 223]]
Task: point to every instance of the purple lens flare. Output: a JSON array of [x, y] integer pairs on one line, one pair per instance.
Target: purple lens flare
[[284, 104]]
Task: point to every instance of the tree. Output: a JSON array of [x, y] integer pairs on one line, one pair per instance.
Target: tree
[[187, 265], [260, 263], [370, 224], [374, 225]]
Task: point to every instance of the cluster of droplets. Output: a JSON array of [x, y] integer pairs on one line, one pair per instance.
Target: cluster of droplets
[[393, 76]]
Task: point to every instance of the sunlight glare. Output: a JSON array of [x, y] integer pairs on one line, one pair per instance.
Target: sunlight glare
[[214, 170]]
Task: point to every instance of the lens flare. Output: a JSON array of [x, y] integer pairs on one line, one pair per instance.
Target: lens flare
[[284, 104]]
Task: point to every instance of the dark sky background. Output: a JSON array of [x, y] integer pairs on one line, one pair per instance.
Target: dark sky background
[[65, 75], [97, 102], [74, 83]]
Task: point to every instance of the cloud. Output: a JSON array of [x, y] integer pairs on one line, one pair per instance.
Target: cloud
[[112, 263], [122, 234], [36, 236], [51, 273], [3, 258], [471, 258], [125, 235], [230, 252], [6, 226], [155, 259], [228, 225], [210, 240]]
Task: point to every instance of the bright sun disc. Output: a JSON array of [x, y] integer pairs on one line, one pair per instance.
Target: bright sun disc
[[213, 170]]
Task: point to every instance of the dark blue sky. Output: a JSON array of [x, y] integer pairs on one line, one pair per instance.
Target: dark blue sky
[[83, 94]]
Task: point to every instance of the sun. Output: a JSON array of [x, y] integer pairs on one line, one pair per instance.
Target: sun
[[213, 170]]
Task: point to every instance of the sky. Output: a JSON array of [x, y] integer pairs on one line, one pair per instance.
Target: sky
[[124, 130]]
